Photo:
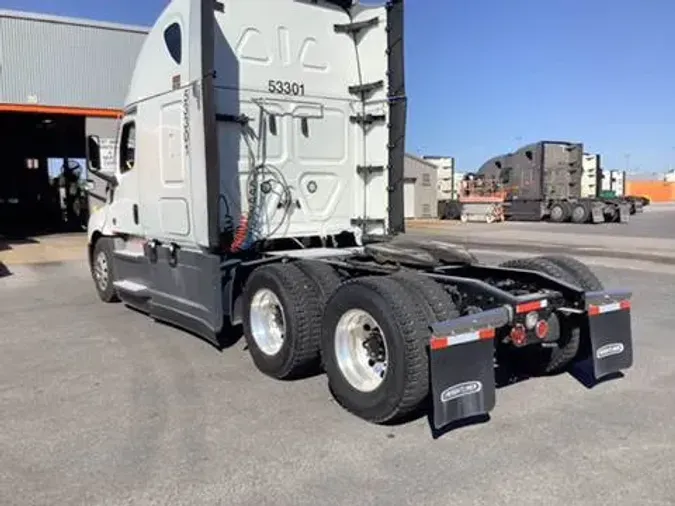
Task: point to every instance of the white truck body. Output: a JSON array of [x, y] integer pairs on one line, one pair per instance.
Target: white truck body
[[251, 124], [283, 65]]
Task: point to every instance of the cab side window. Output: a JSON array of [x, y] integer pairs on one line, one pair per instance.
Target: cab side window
[[174, 40], [128, 147], [506, 175]]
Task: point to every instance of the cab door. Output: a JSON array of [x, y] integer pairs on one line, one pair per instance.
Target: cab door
[[124, 200], [183, 284]]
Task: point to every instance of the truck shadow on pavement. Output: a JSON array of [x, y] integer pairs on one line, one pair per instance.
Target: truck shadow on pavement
[[583, 372], [505, 376]]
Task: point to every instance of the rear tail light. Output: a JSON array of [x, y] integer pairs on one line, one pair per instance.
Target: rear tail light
[[541, 329]]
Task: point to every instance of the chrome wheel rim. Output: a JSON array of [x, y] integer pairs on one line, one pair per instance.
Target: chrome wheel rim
[[268, 323], [361, 350], [101, 271]]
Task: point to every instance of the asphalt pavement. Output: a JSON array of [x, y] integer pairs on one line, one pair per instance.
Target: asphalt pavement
[[648, 236], [656, 221], [100, 405]]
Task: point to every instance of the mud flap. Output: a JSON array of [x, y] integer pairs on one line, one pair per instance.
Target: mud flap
[[461, 362], [609, 327], [624, 213], [597, 214]]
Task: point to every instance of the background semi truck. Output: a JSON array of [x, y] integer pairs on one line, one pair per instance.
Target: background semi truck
[[551, 180], [258, 186]]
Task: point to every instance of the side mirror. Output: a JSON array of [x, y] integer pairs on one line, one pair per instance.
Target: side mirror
[[94, 153], [94, 160]]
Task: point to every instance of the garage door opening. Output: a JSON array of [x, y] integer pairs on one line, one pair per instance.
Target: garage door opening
[[42, 174]]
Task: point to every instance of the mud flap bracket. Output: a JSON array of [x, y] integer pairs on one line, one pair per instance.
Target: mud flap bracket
[[461, 363], [367, 170], [609, 329], [366, 88], [356, 27]]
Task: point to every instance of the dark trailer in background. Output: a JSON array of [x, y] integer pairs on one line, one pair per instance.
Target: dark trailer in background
[[543, 180]]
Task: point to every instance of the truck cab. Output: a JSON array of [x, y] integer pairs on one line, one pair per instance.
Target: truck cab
[[244, 131]]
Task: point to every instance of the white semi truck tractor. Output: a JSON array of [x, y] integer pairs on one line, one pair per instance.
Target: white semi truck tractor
[[258, 186]]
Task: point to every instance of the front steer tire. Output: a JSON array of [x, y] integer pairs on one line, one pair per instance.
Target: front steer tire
[[536, 359], [405, 332], [103, 270], [300, 307]]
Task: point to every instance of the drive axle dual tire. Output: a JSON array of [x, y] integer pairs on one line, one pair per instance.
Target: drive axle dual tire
[[536, 359], [375, 339], [574, 272], [560, 212], [583, 276], [374, 346], [282, 320], [581, 213]]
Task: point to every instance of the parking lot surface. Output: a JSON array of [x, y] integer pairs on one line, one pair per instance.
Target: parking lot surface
[[655, 222], [100, 405]]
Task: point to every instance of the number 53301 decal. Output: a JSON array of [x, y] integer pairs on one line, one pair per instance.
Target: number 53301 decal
[[285, 87]]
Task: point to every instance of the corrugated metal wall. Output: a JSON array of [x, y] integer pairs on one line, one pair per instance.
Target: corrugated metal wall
[[57, 62]]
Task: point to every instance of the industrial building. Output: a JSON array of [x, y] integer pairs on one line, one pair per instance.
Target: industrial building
[[61, 80], [419, 188], [448, 179]]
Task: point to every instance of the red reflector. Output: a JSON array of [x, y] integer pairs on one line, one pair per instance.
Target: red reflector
[[531, 306], [486, 334], [541, 329], [439, 343], [594, 310]]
